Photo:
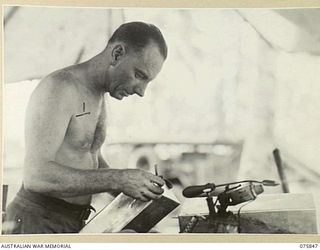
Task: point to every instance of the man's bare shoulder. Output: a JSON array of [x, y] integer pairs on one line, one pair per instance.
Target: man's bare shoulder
[[59, 85], [57, 90], [58, 82]]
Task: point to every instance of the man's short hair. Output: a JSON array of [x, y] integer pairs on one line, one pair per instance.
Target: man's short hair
[[137, 35]]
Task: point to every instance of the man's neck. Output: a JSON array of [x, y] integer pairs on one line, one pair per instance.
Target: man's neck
[[95, 73]]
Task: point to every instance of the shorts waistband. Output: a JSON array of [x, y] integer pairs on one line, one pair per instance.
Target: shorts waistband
[[79, 212]]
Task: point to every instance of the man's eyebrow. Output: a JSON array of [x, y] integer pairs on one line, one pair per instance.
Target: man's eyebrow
[[145, 76]]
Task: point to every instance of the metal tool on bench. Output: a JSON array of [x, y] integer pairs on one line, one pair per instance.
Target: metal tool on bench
[[228, 194]]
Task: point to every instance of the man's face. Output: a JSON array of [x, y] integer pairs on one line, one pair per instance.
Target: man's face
[[134, 70]]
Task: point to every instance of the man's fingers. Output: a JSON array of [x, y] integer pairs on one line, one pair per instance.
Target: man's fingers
[[156, 179], [154, 188], [151, 196], [144, 198]]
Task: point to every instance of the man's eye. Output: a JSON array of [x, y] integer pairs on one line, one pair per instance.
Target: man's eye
[[139, 76]]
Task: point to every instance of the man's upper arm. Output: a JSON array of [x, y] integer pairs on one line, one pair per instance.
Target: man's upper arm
[[47, 118]]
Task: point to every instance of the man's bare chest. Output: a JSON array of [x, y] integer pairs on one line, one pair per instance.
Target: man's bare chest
[[86, 129]]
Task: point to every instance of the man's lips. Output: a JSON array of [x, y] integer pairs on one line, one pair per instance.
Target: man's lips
[[124, 93], [121, 94]]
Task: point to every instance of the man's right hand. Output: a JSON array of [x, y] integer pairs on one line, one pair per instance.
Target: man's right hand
[[140, 184]]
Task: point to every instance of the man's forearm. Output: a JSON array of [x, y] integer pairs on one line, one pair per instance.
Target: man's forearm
[[64, 181]]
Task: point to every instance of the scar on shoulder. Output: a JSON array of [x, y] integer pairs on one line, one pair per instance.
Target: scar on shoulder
[[83, 110]]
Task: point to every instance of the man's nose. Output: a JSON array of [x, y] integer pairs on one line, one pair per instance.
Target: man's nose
[[140, 89]]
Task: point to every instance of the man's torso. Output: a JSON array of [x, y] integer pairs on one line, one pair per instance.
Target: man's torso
[[85, 132]]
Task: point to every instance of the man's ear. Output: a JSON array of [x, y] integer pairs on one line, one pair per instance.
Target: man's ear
[[118, 52]]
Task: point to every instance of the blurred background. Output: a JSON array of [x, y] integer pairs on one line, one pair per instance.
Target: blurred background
[[237, 84]]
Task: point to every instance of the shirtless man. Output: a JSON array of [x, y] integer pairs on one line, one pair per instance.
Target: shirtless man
[[65, 128]]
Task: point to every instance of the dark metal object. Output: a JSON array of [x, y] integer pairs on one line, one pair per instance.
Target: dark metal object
[[151, 215], [283, 179], [196, 191], [234, 193], [210, 188]]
